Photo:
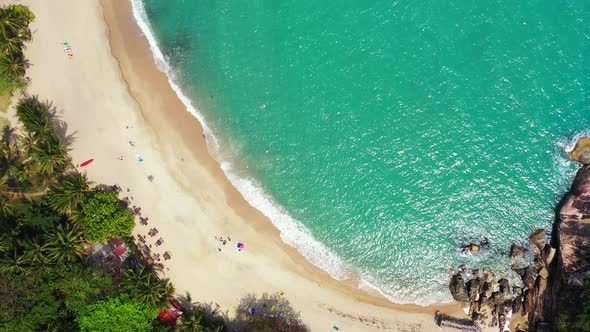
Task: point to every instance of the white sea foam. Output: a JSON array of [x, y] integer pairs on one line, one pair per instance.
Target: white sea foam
[[569, 145], [404, 299], [292, 231]]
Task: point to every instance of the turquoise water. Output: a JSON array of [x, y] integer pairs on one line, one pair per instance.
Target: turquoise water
[[380, 136]]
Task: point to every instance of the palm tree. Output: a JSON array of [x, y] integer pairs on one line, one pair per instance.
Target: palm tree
[[14, 263], [9, 136], [5, 243], [50, 157], [194, 317], [38, 254], [34, 115], [65, 244], [65, 195], [10, 22], [27, 142], [13, 66], [146, 287], [14, 22], [11, 45], [6, 208], [191, 321]]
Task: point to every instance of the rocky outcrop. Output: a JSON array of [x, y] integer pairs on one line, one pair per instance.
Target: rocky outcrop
[[581, 151], [574, 230], [458, 289], [565, 261], [494, 302]]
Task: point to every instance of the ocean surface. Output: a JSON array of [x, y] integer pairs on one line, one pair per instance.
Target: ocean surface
[[381, 136]]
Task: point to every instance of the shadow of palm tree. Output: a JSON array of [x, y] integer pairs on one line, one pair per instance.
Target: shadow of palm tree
[[211, 314], [59, 126], [267, 312]]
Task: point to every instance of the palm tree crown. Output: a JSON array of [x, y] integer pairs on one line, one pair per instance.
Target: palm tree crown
[[65, 244], [65, 195], [148, 288]]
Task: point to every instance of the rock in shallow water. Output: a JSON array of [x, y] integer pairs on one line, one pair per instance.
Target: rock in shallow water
[[581, 151], [539, 239]]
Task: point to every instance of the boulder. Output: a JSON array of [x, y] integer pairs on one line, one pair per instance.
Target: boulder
[[504, 286], [544, 273], [458, 289], [528, 277], [516, 252], [483, 300], [472, 247], [529, 300], [517, 305], [498, 298], [581, 151], [549, 255], [473, 289], [537, 312], [539, 239]]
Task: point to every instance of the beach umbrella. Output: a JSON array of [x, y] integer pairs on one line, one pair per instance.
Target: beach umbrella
[[241, 245], [86, 162]]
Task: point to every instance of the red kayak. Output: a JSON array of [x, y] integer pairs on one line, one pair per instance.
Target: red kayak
[[86, 162]]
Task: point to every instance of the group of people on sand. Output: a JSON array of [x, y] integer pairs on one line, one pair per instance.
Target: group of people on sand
[[222, 241]]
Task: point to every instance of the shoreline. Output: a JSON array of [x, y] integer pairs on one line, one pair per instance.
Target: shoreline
[[201, 149], [111, 93], [291, 231]]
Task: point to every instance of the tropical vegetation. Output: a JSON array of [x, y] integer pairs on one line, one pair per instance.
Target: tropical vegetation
[[14, 32], [103, 216], [50, 217]]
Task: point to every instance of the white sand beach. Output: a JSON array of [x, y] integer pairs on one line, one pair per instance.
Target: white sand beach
[[111, 93]]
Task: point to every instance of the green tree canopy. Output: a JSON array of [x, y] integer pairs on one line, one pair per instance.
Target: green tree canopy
[[117, 314], [147, 288], [66, 194], [80, 287], [103, 216], [14, 31], [65, 244]]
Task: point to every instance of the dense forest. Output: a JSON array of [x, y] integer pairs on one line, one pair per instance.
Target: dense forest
[[52, 219]]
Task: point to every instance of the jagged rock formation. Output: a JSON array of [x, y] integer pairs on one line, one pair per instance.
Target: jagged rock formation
[[496, 303], [565, 261], [458, 289], [574, 230]]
